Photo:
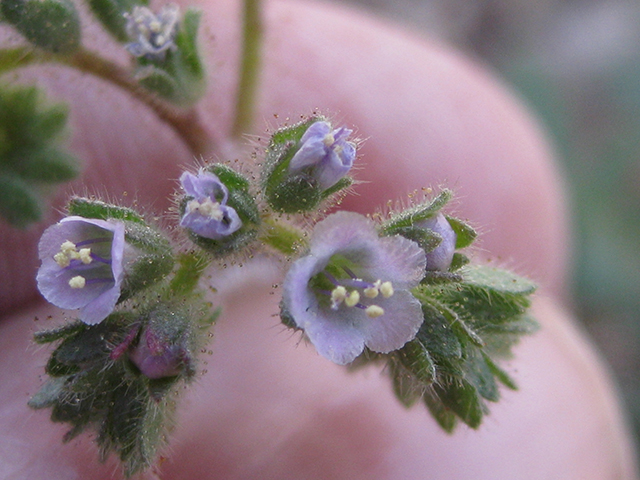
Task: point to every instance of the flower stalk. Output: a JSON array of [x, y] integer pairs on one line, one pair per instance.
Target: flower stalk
[[250, 63]]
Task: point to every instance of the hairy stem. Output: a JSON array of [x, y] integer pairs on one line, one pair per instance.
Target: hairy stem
[[252, 33], [283, 237], [186, 124]]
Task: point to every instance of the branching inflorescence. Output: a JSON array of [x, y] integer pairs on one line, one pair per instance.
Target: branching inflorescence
[[362, 290]]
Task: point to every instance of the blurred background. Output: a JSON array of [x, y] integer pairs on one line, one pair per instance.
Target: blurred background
[[577, 64]]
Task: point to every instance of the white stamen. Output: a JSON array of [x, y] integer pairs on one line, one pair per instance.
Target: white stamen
[[207, 208], [373, 291], [62, 259], [68, 247], [374, 311], [338, 296], [352, 299], [77, 282], [328, 140], [386, 289], [85, 256]]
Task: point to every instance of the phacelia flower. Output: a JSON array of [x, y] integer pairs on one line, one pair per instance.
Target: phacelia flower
[[326, 152], [83, 265], [440, 257], [206, 213], [152, 34], [352, 289]]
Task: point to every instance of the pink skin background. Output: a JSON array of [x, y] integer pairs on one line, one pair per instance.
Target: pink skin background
[[268, 406]]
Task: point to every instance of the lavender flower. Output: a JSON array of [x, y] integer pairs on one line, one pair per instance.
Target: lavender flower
[[207, 214], [440, 257], [325, 152], [153, 34], [352, 289], [82, 265]]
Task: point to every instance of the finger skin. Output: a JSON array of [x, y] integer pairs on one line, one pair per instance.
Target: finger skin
[[269, 407]]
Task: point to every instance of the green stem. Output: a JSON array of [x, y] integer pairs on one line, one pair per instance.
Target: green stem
[[186, 124], [252, 34], [283, 237], [191, 266]]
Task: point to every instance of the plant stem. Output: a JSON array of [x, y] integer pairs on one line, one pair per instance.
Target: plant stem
[[185, 123], [283, 237], [252, 34]]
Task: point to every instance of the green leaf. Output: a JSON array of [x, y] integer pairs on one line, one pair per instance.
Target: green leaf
[[52, 25], [46, 165], [19, 203], [30, 158]]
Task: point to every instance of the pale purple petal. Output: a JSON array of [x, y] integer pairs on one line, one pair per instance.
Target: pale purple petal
[[97, 299], [206, 227], [326, 154]]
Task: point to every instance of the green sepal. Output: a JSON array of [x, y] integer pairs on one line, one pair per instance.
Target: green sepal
[[424, 237], [293, 192], [92, 208], [111, 13], [242, 201], [459, 260], [153, 262], [178, 75], [94, 384], [463, 399], [53, 25], [468, 324], [465, 234], [406, 219], [59, 333]]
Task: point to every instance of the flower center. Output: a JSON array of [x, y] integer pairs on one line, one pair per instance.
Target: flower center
[[207, 208], [79, 258], [350, 290]]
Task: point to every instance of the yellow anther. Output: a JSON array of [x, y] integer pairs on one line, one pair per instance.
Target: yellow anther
[[338, 295], [207, 208], [386, 288], [62, 259], [68, 247], [85, 256], [77, 282], [371, 292], [328, 140], [374, 311], [352, 299]]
